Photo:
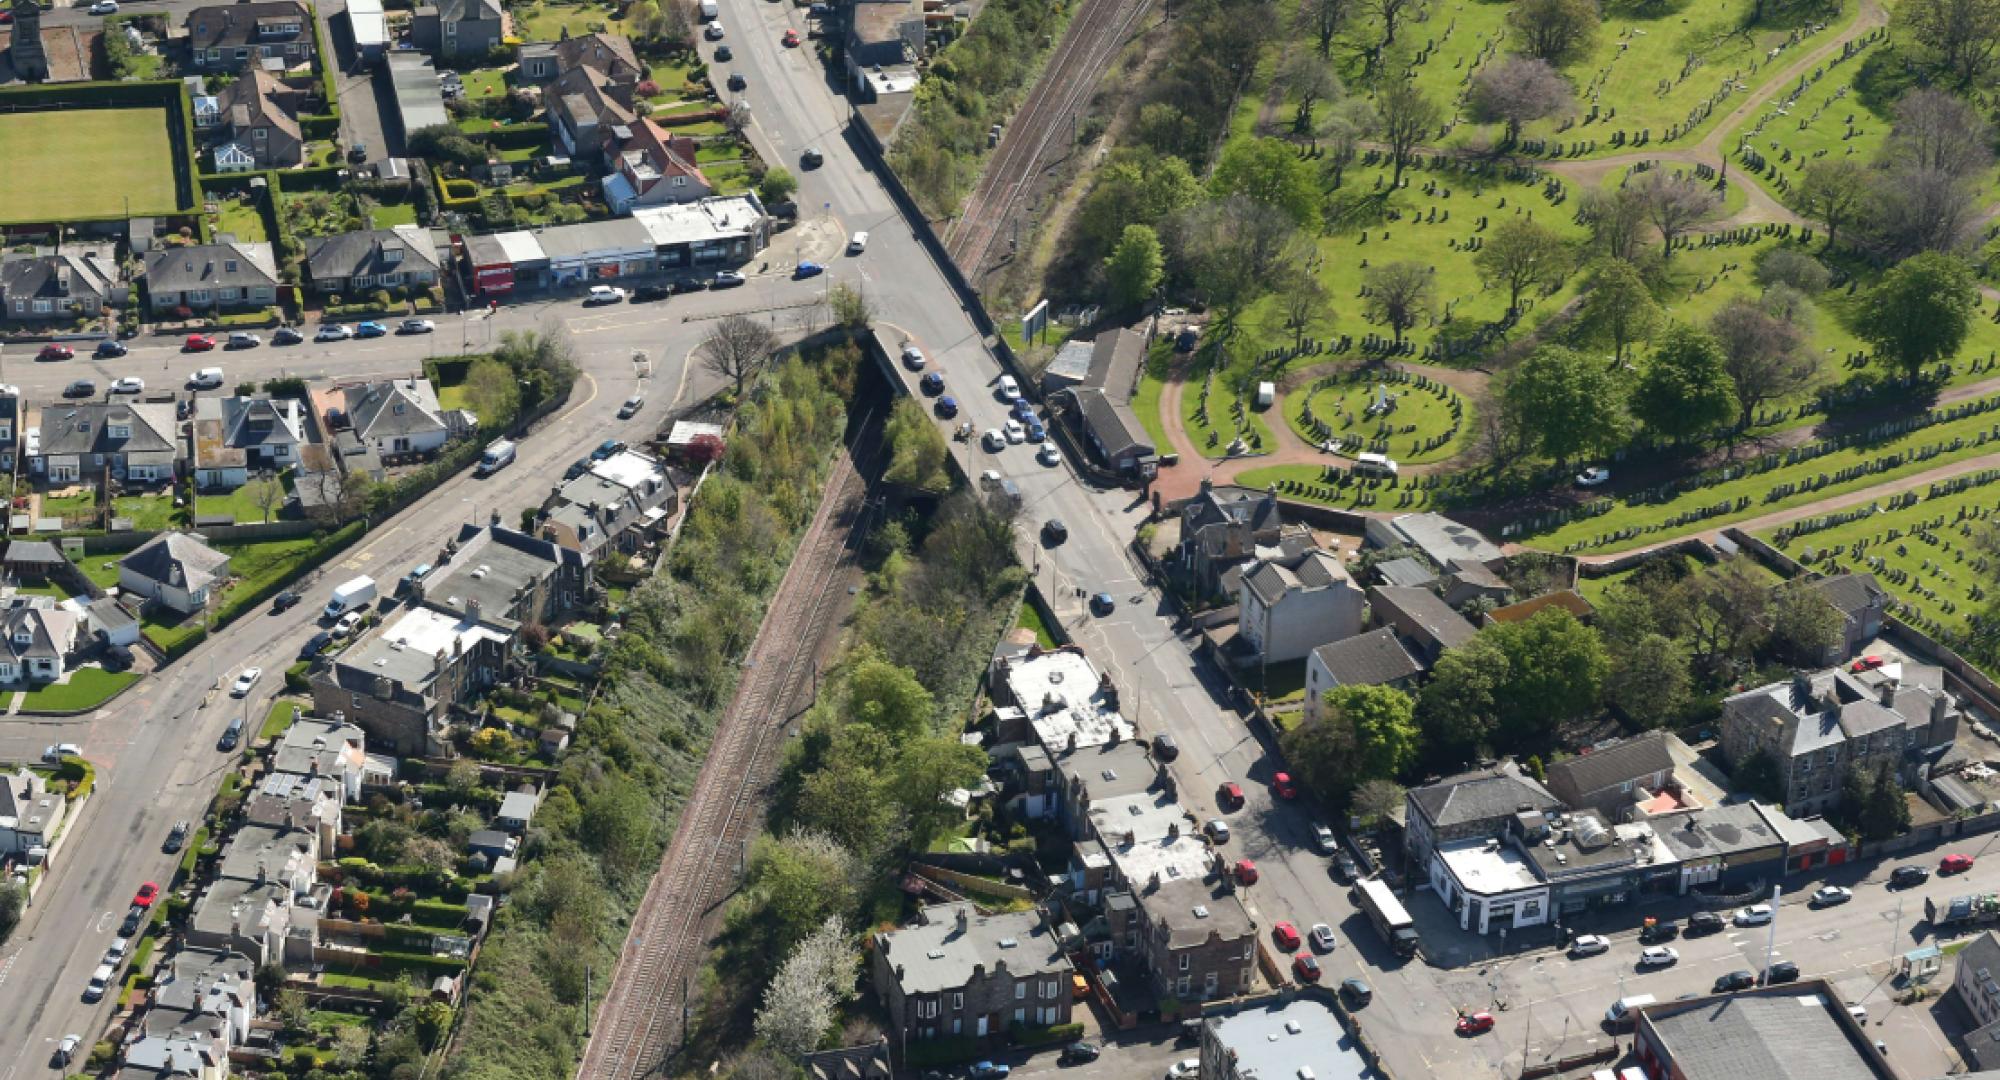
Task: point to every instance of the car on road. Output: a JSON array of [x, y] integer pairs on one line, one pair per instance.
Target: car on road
[[1102, 604], [130, 384], [1478, 1023], [285, 335], [1008, 389], [724, 54], [1165, 748], [687, 285], [1014, 431], [347, 624], [284, 601], [1321, 936], [1185, 1069], [1704, 922], [206, 378], [1036, 432], [1595, 476], [1345, 868], [1078, 1053], [1286, 787], [857, 243], [66, 1049], [100, 981], [946, 407], [1246, 872], [1305, 967], [812, 158], [1829, 895], [1954, 864], [932, 384], [1589, 945], [246, 682], [176, 837], [104, 7], [134, 919], [1656, 931], [315, 645], [728, 279], [993, 441], [713, 31], [147, 893], [1021, 409], [80, 388], [607, 449], [988, 1070], [1048, 455], [737, 81], [242, 339], [333, 332], [791, 39], [1286, 936], [198, 343], [632, 406], [1217, 830], [1783, 971], [1229, 795], [1735, 980], [1754, 915], [1658, 956], [59, 751], [370, 329], [1324, 840], [416, 326], [109, 349], [1903, 877], [646, 294], [913, 357], [1356, 992], [1054, 531], [807, 269], [604, 294], [55, 352]]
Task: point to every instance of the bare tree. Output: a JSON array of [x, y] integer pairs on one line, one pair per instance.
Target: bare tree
[[1676, 203], [1834, 190], [266, 493], [1399, 293], [1517, 90], [1554, 30], [1322, 21], [1304, 298], [1939, 132], [738, 349], [1347, 125], [1617, 223], [1308, 78], [1230, 247], [1391, 13], [1763, 354], [1912, 210], [1960, 36], [1408, 118]]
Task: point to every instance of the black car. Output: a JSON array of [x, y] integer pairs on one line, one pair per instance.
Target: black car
[[1190, 1033], [1665, 931], [577, 468], [1735, 980], [284, 601], [737, 81], [285, 335], [1078, 1053], [1345, 866], [1054, 531], [932, 383], [647, 293], [80, 388], [1783, 971], [176, 837], [109, 348], [1704, 922], [1165, 748], [1903, 877], [688, 285], [134, 919], [724, 54], [812, 158], [316, 645], [1356, 992]]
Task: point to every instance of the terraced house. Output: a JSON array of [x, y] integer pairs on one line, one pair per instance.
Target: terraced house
[[272, 35]]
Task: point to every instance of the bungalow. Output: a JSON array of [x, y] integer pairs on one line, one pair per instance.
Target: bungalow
[[653, 168], [258, 117], [29, 812], [235, 436], [134, 441], [377, 259], [274, 35], [395, 416], [211, 278], [175, 570], [61, 287], [41, 640]]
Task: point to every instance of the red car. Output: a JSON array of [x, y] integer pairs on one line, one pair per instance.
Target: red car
[[55, 352], [146, 895], [1475, 1024], [1306, 967], [199, 343], [1867, 663], [1230, 795], [1286, 935], [1954, 864], [1287, 787], [791, 39], [1246, 872]]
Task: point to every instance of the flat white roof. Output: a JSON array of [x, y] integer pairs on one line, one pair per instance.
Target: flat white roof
[[1183, 858], [687, 431], [1488, 871], [1061, 693], [519, 246], [427, 630], [721, 218], [1147, 816], [370, 25], [629, 469]]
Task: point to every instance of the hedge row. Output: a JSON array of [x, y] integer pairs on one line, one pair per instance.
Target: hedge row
[[513, 136], [321, 127], [334, 544]]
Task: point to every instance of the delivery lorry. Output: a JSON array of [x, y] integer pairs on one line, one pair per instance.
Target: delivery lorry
[[350, 596], [1386, 912]]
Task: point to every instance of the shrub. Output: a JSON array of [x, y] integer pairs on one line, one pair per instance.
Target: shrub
[[1040, 1036], [382, 298]]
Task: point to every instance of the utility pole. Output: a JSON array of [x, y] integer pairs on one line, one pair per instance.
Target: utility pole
[[1771, 939]]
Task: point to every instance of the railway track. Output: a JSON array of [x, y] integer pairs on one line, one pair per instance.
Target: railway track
[[634, 1022], [1094, 37]]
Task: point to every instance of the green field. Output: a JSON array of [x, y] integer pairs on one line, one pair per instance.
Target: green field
[[86, 163]]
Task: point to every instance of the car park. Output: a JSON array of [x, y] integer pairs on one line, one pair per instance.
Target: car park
[[946, 407], [1286, 936], [1322, 937], [1829, 895], [246, 682], [1754, 915], [1653, 956], [1903, 877], [416, 326], [370, 329], [147, 893], [632, 406], [1589, 945], [130, 384], [243, 339], [1102, 604], [1735, 980], [1217, 830], [726, 279], [1478, 1023], [176, 837], [807, 269], [1954, 864], [1305, 968], [80, 388], [332, 332], [109, 349], [55, 352], [285, 335]]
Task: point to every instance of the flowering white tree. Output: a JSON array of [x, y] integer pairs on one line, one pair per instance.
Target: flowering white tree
[[803, 998]]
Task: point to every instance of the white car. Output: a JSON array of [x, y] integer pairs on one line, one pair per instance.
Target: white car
[[60, 751], [1184, 1069], [1049, 455], [246, 681], [605, 294], [347, 624], [207, 378], [913, 358], [1321, 937], [1009, 389], [713, 31], [993, 440], [1014, 431], [1657, 956], [1754, 915], [632, 406], [1594, 476], [334, 332], [66, 1050], [115, 955], [1323, 839], [130, 384], [416, 326], [1829, 895], [104, 7], [1589, 945], [857, 243], [1217, 830]]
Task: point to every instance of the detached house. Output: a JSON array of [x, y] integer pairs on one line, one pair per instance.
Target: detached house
[[1294, 600], [29, 812], [60, 288], [258, 118], [135, 441], [174, 569], [590, 114], [274, 35], [377, 259], [1818, 725], [211, 278], [1376, 658], [654, 169], [235, 436], [41, 640], [451, 29], [396, 416], [1863, 605]]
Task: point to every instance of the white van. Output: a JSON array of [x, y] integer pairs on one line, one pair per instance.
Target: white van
[[350, 596], [498, 455], [857, 244], [207, 378], [1620, 1012], [1632, 1072], [1374, 465], [709, 10]]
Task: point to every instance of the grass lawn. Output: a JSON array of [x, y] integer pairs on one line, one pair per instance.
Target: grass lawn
[[389, 215], [1421, 428], [1146, 399], [260, 562], [546, 22], [1032, 619], [123, 153], [101, 569], [1213, 421], [277, 720], [70, 506], [87, 688], [1374, 495], [237, 503], [42, 588], [146, 511], [167, 632], [242, 219], [483, 83]]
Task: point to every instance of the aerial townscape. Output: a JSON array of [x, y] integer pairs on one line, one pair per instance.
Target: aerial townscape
[[984, 539]]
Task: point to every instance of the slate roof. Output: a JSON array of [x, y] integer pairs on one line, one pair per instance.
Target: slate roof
[[261, 422], [1109, 422], [370, 253], [259, 96], [32, 553], [87, 428], [1371, 659], [1611, 765], [1851, 593], [176, 558], [1407, 572], [1271, 579], [936, 956], [50, 630], [455, 11], [1229, 503], [1778, 1033], [228, 25], [210, 266], [381, 410], [62, 276], [608, 53], [1481, 795], [1433, 617]]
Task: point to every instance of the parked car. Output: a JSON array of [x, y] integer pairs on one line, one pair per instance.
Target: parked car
[[791, 39], [416, 326], [913, 357], [812, 158], [55, 352], [606, 449], [147, 893], [713, 31], [315, 645], [243, 339], [1658, 956], [130, 384], [1217, 830], [1589, 945], [1048, 455], [1286, 787], [1954, 864], [246, 682], [649, 293], [857, 243], [1036, 432], [104, 7], [370, 329], [932, 384], [1829, 895], [1187, 1068], [1102, 604], [686, 285], [283, 601], [737, 81], [1754, 915], [605, 294], [134, 919], [1305, 967], [54, 754], [1783, 971], [632, 406], [1008, 389], [1054, 531], [66, 1050], [333, 332], [1704, 922], [176, 837], [1903, 877], [724, 54], [1229, 794], [198, 343], [1246, 872], [285, 335], [1014, 431], [1286, 936], [993, 441], [946, 407], [206, 379], [108, 349], [984, 1070], [80, 388], [1321, 937], [1165, 748], [347, 624], [728, 279], [1478, 1023], [1735, 980], [1356, 991]]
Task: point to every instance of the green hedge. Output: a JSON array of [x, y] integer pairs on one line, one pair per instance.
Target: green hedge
[[318, 178], [295, 677], [948, 1051], [408, 961], [183, 645], [458, 194], [513, 136], [1043, 1036], [327, 85], [321, 127]]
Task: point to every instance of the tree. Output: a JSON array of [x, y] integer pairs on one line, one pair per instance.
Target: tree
[[1135, 187], [1567, 404], [777, 186], [1618, 309], [1307, 77], [1322, 20], [927, 770], [1887, 811], [802, 1001], [1378, 799], [1556, 668], [1676, 203], [917, 453], [618, 824], [1649, 680], [1617, 223], [1834, 190], [1136, 266], [1348, 125], [444, 144], [1960, 36], [12, 899], [1719, 614], [1921, 311], [1362, 733], [266, 493], [1399, 293], [1684, 390], [1459, 707], [1271, 172], [491, 391], [1520, 254], [1407, 120], [851, 310], [350, 1045], [1391, 13], [1517, 90], [886, 696], [1229, 247], [1758, 774], [1554, 30], [1763, 355], [1304, 299], [1804, 623], [798, 881], [1793, 269], [1912, 210], [738, 349]]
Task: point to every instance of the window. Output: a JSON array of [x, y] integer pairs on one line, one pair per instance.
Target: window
[[1531, 908], [230, 294], [958, 1001], [1049, 989], [1181, 986], [1250, 949], [1182, 961], [259, 134], [243, 54], [1020, 1015], [1212, 981], [42, 307], [1020, 991], [926, 1009]]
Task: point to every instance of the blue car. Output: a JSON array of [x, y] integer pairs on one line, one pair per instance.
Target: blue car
[[1022, 409], [932, 383], [110, 348], [1103, 604], [1036, 432], [808, 269], [947, 407], [989, 1070], [370, 329]]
